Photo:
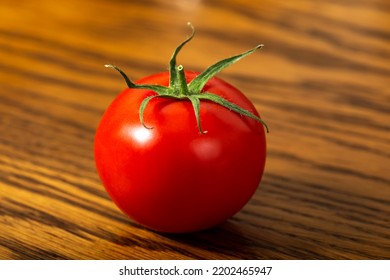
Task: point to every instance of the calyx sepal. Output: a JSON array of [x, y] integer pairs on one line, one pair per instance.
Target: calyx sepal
[[179, 89]]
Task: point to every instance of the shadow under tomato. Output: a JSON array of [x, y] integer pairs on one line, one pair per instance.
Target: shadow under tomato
[[226, 241]]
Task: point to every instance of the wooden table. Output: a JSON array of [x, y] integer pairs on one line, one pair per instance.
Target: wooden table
[[321, 83]]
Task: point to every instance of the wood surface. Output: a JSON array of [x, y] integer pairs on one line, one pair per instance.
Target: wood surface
[[321, 83]]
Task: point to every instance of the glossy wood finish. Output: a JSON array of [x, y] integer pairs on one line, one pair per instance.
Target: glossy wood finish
[[321, 82]]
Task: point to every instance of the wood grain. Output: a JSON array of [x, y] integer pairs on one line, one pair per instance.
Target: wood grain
[[321, 83]]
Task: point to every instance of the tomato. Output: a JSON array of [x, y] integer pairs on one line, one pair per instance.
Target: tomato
[[180, 165]]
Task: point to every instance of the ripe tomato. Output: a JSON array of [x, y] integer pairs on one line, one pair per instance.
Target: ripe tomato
[[168, 173]]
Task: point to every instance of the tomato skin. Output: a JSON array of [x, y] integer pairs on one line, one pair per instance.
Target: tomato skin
[[170, 177]]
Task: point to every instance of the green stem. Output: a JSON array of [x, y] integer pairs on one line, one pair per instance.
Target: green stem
[[183, 87], [179, 89], [172, 62]]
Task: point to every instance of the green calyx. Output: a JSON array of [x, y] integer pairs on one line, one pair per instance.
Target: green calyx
[[179, 89]]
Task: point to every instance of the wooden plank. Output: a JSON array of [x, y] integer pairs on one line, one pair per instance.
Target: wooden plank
[[321, 83]]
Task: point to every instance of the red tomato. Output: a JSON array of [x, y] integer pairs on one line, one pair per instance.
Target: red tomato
[[170, 177], [181, 151]]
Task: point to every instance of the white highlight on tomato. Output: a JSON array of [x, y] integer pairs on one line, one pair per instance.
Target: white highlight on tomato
[[141, 134]]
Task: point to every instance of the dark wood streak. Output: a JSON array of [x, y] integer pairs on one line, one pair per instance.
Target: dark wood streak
[[343, 207], [33, 152], [328, 167], [380, 6], [341, 92], [287, 19], [345, 45], [325, 189], [51, 60], [338, 117], [63, 198], [311, 57], [318, 243], [322, 231], [288, 14], [86, 188], [37, 135], [40, 161], [347, 94], [127, 241], [53, 44], [300, 122], [360, 29], [24, 251], [78, 52], [75, 140], [322, 218], [307, 252], [24, 212], [334, 140], [51, 79], [44, 114], [55, 100], [33, 159]]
